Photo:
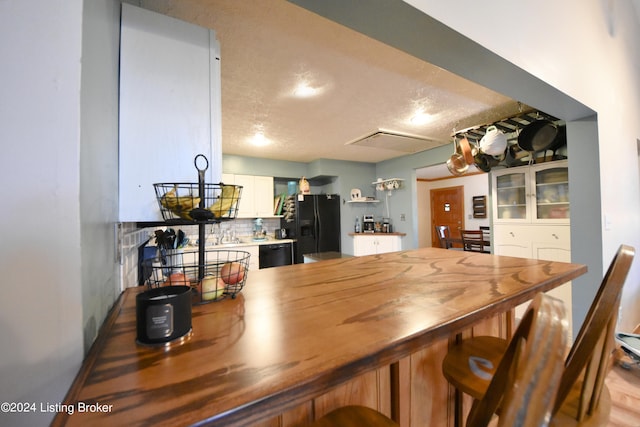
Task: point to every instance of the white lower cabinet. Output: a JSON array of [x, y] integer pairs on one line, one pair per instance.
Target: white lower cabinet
[[371, 244], [546, 242], [254, 259]]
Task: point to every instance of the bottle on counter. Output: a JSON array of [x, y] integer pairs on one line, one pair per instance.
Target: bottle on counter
[[357, 227]]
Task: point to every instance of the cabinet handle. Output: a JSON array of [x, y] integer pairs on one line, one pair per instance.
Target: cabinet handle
[[512, 235], [555, 236]]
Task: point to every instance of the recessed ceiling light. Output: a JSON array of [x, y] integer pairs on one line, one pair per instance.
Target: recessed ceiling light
[[305, 90], [420, 118], [259, 140]]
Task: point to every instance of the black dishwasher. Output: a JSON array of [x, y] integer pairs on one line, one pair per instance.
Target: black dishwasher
[[274, 255]]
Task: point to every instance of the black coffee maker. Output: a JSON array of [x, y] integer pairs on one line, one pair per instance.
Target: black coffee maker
[[368, 224]]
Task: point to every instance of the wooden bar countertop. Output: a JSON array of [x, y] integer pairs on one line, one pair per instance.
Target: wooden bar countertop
[[294, 332]]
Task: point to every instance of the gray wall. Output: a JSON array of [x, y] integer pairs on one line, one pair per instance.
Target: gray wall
[[402, 202], [326, 176], [99, 162]]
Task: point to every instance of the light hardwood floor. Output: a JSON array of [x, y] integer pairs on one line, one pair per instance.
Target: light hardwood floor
[[624, 386]]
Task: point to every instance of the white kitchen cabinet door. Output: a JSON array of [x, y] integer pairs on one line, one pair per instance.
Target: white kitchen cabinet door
[[254, 258], [257, 195], [512, 241], [263, 195], [388, 244], [247, 206], [363, 245], [170, 107], [546, 242], [371, 244], [537, 194], [511, 195]]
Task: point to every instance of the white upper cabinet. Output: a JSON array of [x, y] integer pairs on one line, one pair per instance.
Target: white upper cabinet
[[170, 107], [257, 196], [531, 194]]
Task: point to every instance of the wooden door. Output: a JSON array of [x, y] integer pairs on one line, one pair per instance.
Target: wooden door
[[447, 208]]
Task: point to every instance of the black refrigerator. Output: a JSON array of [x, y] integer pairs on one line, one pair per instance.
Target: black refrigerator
[[313, 220]]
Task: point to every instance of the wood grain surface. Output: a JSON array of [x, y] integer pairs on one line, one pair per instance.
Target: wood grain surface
[[297, 331]]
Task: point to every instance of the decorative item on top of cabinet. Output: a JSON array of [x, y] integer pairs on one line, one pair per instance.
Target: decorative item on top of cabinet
[[479, 206], [305, 188]]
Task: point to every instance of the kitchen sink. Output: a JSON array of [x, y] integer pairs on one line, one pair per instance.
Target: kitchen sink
[[235, 242]]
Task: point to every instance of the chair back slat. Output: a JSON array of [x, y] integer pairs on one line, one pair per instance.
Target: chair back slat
[[443, 233], [589, 356], [473, 240], [527, 377]]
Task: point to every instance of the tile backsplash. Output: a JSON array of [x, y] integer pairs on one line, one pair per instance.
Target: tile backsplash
[[131, 238]]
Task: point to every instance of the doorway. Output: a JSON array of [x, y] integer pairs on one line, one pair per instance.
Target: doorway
[[447, 208]]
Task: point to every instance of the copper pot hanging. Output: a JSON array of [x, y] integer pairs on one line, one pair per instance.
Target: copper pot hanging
[[456, 163]]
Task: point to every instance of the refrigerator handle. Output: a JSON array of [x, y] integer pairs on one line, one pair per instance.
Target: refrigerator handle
[[316, 224]]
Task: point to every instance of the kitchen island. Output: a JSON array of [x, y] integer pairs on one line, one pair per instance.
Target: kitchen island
[[303, 339]]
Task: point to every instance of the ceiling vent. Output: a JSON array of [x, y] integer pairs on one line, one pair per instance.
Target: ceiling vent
[[395, 141]]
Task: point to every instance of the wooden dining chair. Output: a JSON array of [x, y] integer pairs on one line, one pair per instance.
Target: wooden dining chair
[[443, 233], [473, 241], [524, 384], [583, 398]]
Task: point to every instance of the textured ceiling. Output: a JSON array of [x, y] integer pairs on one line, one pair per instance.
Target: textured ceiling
[[268, 46]]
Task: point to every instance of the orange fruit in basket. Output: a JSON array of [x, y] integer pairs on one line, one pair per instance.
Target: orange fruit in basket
[[177, 279], [232, 273]]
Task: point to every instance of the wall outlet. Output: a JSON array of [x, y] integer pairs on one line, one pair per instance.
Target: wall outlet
[[402, 217]]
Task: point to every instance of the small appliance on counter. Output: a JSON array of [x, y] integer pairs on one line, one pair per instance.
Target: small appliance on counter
[[259, 233], [163, 314], [386, 225], [368, 224]]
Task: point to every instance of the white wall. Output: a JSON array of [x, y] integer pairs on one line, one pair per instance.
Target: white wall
[[41, 307], [589, 50], [474, 185], [57, 259]]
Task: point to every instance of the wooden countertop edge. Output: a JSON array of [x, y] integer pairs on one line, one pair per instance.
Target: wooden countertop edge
[[378, 234], [90, 359]]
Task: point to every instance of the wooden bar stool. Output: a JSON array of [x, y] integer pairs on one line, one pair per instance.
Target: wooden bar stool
[[583, 398], [524, 384]]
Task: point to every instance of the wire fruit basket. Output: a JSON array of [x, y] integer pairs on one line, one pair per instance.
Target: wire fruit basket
[[200, 202], [222, 275], [197, 201]]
